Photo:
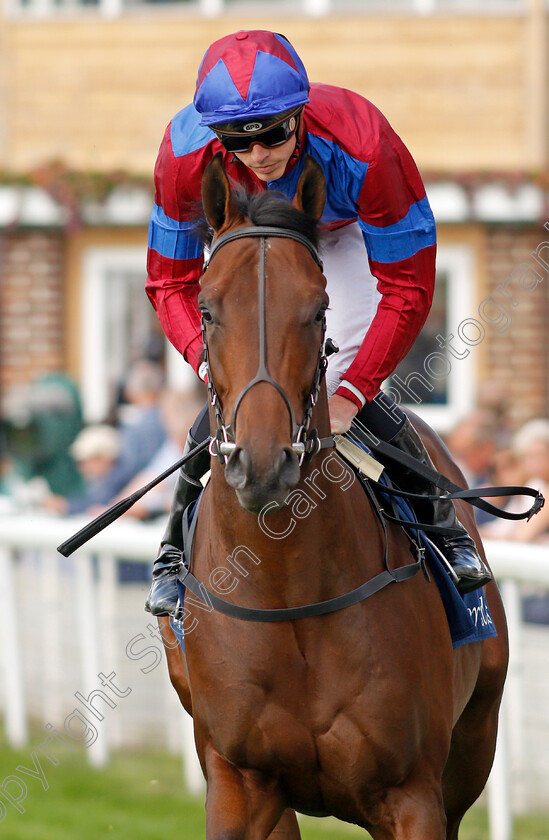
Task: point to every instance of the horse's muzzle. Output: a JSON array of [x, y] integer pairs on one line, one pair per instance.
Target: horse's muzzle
[[257, 486]]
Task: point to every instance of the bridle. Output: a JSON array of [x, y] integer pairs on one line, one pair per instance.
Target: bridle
[[305, 441]]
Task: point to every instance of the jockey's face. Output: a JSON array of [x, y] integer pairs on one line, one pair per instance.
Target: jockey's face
[[268, 162]]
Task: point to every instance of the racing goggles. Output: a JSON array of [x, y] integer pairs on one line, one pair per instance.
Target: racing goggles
[[239, 137]]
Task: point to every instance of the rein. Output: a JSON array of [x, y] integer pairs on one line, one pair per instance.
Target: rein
[[474, 496], [305, 441]]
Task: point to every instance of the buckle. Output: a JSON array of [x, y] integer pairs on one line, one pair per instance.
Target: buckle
[[539, 502]]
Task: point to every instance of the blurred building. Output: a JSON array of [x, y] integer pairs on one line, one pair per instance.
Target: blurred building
[[88, 86]]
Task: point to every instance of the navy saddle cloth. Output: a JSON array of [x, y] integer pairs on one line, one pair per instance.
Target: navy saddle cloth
[[468, 615]]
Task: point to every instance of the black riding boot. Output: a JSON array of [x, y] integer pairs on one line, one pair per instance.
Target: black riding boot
[[460, 551], [162, 598]]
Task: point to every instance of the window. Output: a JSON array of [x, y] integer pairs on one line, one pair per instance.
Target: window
[[437, 377], [118, 325]]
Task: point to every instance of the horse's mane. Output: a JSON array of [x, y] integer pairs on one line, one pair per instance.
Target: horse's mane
[[268, 208]]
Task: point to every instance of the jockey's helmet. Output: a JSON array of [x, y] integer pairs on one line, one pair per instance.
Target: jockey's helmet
[[248, 82]]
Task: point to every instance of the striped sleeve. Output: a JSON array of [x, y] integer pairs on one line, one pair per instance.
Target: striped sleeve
[[400, 237], [175, 256]]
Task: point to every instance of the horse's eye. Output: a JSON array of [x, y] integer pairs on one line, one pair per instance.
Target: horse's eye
[[320, 315], [207, 316]]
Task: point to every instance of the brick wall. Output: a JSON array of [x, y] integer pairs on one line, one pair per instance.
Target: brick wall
[[31, 305], [517, 353]]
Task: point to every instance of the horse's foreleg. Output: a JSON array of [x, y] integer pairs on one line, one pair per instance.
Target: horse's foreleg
[[413, 811], [240, 805], [226, 802], [176, 663], [287, 828]]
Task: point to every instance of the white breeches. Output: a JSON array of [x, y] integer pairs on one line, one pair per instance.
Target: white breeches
[[353, 297]]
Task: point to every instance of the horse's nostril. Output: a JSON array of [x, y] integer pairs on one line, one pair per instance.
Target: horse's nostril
[[287, 467], [237, 471]]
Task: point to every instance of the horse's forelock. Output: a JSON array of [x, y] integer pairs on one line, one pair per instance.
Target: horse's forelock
[[273, 208], [266, 208]]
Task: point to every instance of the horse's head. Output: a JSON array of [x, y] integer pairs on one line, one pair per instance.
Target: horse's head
[[263, 300]]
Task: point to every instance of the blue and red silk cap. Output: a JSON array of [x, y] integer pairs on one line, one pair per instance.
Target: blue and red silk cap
[[249, 74]]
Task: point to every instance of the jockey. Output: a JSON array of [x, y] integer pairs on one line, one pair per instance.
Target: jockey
[[254, 104]]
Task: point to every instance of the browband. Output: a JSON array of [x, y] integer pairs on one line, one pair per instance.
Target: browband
[[265, 230]]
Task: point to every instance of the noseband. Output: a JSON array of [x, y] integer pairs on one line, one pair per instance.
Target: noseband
[[305, 442]]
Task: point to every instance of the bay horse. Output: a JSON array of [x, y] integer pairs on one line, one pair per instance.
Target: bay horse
[[365, 713]]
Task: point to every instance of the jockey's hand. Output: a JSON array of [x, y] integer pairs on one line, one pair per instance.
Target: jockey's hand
[[342, 411]]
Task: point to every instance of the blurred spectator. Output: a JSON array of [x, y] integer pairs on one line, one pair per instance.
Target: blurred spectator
[[95, 451], [40, 423], [7, 472], [141, 433], [473, 445], [178, 410], [528, 462], [6, 463], [493, 399], [508, 471], [141, 427]]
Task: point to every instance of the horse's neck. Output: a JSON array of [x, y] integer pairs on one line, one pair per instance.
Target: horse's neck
[[317, 541]]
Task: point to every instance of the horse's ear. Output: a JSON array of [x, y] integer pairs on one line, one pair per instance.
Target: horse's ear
[[310, 195], [217, 199]]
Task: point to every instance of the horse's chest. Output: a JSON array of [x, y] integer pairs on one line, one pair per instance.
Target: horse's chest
[[314, 744], [280, 708], [255, 715]]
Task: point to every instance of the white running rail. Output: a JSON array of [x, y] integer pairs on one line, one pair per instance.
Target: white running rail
[[96, 596]]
